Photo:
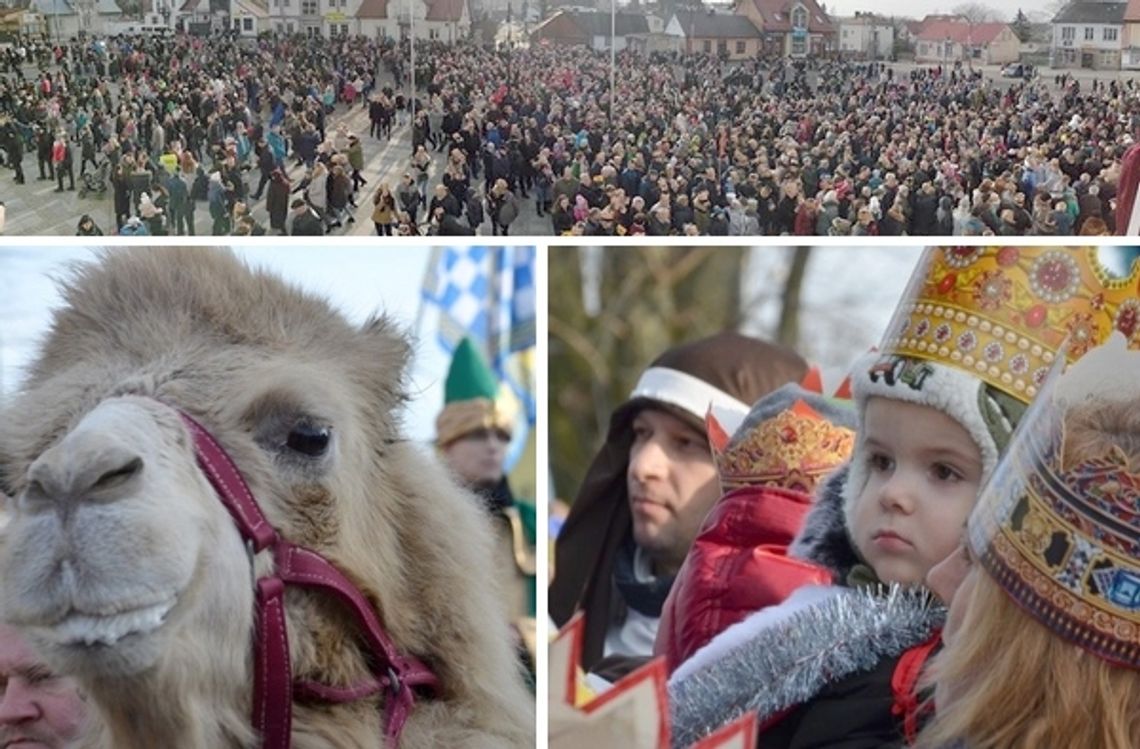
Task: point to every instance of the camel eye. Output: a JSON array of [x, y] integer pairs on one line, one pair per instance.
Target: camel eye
[[309, 440]]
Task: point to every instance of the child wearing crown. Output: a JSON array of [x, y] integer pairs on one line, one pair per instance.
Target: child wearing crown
[[1049, 575], [791, 440], [970, 346]]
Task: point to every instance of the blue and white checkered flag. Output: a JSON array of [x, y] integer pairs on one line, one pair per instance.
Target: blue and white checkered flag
[[459, 282], [486, 294]]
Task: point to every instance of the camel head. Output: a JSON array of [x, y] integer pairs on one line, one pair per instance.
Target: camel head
[[125, 570]]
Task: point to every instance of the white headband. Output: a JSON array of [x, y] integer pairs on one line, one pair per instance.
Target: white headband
[[685, 391]]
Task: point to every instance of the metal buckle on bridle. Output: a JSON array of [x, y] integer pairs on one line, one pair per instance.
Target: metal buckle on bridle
[[394, 681]]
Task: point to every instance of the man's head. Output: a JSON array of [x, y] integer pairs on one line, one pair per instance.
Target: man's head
[[38, 710], [671, 482], [670, 477], [477, 457], [474, 427]]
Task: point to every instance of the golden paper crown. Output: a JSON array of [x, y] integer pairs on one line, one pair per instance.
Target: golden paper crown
[[634, 712], [792, 450], [1063, 540], [1002, 313]]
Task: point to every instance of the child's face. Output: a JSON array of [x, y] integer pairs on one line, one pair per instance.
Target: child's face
[[923, 472]]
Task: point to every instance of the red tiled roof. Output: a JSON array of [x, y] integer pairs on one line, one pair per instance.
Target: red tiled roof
[[373, 9], [1132, 12], [962, 33], [777, 15], [444, 10]]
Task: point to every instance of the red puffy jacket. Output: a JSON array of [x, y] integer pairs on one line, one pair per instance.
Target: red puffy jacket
[[737, 565]]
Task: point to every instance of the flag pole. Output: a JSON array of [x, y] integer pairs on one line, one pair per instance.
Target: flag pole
[[613, 61]]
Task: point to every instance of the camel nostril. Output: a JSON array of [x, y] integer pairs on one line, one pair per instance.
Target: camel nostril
[[118, 475]]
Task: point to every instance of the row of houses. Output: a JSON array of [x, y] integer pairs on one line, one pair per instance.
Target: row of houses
[[446, 20], [1085, 33], [793, 28], [1096, 34]]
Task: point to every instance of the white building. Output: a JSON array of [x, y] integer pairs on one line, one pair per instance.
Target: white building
[[446, 20], [63, 19], [866, 36], [1089, 34]]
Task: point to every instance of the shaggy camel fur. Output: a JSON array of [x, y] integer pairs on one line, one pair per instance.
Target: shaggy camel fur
[[123, 567]]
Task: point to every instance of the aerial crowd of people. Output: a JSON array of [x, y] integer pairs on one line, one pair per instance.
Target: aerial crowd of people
[[690, 145]]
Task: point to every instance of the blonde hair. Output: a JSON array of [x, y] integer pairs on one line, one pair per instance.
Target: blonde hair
[[1017, 684]]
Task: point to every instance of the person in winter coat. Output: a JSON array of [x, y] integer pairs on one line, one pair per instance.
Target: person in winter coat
[[134, 228], [266, 163], [383, 210], [420, 164], [121, 190], [649, 487], [473, 204], [317, 191], [925, 218], [62, 160], [930, 431], [828, 212], [179, 206], [304, 221], [562, 216], [339, 196], [87, 227], [277, 200], [444, 199], [355, 155], [1035, 653], [409, 198], [219, 205], [502, 207], [789, 442]]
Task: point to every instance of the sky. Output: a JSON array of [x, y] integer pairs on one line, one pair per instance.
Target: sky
[[355, 278], [919, 8], [849, 296]]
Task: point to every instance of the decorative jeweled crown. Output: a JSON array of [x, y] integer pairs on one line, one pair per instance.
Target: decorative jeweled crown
[[792, 450], [1001, 313], [1064, 541]]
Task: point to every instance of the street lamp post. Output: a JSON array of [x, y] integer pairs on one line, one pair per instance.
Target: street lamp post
[[412, 71], [613, 61]]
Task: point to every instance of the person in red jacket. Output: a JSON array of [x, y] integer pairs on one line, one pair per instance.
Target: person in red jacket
[[1127, 192], [647, 491], [791, 440]]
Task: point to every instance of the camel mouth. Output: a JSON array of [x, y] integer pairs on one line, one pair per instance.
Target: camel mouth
[[78, 628]]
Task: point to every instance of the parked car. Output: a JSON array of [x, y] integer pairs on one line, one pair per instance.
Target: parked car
[[1017, 70]]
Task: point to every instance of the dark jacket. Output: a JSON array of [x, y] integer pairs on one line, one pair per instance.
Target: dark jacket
[[308, 224], [599, 522]]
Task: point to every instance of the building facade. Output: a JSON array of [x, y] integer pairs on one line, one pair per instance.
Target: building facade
[[1089, 34], [866, 37]]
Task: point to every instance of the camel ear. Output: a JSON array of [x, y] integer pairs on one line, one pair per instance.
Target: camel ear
[[388, 353]]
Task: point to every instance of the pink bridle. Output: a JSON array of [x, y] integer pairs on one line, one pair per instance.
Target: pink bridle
[[273, 685]]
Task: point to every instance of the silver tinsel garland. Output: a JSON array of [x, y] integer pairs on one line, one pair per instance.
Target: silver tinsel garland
[[789, 663]]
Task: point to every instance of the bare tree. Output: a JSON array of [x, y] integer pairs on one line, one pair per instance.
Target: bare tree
[[975, 12], [649, 299]]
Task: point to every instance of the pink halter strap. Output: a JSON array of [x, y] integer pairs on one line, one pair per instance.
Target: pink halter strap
[[273, 685]]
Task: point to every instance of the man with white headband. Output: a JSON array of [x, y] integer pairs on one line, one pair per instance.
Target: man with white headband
[[650, 486]]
